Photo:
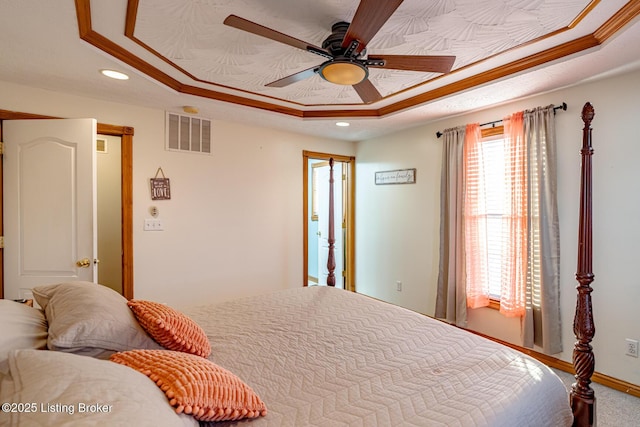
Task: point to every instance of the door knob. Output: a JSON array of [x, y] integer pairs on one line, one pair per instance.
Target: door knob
[[83, 263]]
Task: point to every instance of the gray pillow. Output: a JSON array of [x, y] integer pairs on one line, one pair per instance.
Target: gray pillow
[[90, 319], [68, 389], [21, 327]]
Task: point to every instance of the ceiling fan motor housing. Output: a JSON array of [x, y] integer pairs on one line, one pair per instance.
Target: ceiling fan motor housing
[[333, 43], [344, 68]]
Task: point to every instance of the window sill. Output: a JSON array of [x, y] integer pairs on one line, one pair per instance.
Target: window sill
[[494, 304]]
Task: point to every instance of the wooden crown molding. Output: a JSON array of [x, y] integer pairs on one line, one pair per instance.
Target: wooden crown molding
[[607, 30]]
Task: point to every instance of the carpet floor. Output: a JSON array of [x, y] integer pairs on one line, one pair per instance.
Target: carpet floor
[[613, 408]]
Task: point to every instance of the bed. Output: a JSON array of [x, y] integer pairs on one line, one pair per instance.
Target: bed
[[317, 356]]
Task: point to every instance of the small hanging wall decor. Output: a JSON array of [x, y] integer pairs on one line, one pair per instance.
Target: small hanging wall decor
[[160, 189], [398, 176]]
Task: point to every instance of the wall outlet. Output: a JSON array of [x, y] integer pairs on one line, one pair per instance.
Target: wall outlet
[[632, 347], [399, 286]]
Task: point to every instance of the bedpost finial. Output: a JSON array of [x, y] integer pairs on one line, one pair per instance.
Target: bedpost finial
[[588, 113]]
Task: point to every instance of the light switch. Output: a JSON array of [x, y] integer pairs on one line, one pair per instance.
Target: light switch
[[153, 224]]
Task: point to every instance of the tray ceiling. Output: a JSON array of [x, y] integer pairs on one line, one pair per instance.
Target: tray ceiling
[[179, 53], [192, 38]]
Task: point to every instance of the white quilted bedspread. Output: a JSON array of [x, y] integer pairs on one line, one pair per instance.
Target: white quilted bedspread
[[327, 357]]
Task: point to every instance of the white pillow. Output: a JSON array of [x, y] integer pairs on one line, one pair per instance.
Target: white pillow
[[90, 319], [21, 327], [68, 389]]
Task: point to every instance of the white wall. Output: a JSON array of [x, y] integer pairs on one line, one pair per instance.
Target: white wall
[[233, 225], [397, 230], [397, 234]]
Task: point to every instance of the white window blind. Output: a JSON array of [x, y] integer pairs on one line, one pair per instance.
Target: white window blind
[[494, 167]]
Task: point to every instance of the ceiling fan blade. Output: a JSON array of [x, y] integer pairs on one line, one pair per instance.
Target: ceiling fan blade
[[259, 30], [432, 64], [301, 75], [368, 19], [367, 91]]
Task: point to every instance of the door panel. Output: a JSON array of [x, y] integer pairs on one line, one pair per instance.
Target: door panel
[[49, 203]]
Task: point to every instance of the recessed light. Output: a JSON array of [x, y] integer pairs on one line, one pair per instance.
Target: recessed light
[[342, 124], [115, 74]]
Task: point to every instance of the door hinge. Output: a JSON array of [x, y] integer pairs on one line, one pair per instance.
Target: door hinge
[[1, 242], [1, 148]]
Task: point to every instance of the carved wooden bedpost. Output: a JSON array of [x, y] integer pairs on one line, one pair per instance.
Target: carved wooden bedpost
[[331, 259], [582, 398]]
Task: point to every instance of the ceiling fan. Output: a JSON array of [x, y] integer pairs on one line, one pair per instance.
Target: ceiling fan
[[347, 62]]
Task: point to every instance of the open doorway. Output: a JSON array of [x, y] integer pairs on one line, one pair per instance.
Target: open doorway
[[109, 218], [315, 211]]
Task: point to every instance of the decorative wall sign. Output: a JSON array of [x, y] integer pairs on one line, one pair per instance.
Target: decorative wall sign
[[398, 176], [160, 189]]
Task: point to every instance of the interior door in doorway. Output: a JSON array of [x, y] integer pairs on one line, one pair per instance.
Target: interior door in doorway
[[322, 176], [344, 220], [49, 211]]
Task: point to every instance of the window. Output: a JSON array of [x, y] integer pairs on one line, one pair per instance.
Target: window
[[484, 214], [494, 167], [496, 217], [520, 223], [493, 213]]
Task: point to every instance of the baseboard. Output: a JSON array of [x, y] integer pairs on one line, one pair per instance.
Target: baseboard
[[554, 362]]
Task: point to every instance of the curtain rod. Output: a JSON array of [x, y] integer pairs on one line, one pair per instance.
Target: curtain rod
[[562, 107]]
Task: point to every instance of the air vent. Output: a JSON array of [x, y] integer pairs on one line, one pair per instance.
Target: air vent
[[188, 133]]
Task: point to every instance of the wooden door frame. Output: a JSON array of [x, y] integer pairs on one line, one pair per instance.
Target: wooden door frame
[[126, 135], [349, 265]]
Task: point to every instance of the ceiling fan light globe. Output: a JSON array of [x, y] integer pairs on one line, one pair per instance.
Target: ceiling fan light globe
[[344, 72]]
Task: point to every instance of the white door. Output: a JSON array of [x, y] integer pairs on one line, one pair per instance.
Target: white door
[[49, 203], [323, 224]]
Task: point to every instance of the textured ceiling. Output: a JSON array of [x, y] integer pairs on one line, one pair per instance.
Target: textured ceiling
[[178, 52], [191, 35]]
